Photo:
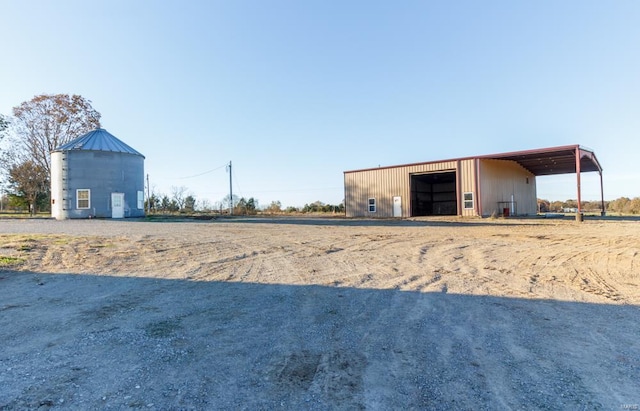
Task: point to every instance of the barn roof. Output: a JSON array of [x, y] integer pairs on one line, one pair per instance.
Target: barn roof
[[98, 140]]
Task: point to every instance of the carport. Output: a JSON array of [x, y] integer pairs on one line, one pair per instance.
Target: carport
[[557, 160]]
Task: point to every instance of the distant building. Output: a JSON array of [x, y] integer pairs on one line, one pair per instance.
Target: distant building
[[500, 184], [97, 175]]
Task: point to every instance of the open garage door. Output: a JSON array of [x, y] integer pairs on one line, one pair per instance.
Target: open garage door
[[434, 194]]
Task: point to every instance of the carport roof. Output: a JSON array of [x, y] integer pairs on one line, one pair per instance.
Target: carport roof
[[540, 162], [554, 160]]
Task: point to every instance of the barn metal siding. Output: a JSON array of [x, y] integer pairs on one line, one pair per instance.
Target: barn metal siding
[[380, 184], [387, 182], [467, 184], [499, 180]]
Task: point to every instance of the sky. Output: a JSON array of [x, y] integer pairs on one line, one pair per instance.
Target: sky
[[294, 93]]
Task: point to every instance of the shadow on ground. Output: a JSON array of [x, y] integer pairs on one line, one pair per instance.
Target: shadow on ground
[[86, 342]]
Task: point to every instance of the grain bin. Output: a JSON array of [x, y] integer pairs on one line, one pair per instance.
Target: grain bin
[[97, 176]]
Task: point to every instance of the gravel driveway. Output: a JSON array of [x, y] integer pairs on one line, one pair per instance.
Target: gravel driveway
[[147, 332]]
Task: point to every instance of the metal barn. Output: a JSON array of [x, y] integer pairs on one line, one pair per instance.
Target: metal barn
[[96, 175], [498, 184]]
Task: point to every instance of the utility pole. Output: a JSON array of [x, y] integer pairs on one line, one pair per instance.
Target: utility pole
[[230, 190], [148, 196]]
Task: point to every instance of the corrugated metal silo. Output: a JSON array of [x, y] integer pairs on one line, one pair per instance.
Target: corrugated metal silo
[[97, 175]]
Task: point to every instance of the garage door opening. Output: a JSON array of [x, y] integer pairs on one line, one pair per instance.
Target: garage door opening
[[434, 194]]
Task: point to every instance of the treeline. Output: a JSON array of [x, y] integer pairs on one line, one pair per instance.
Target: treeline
[[181, 201], [622, 205], [16, 203], [316, 207], [625, 205]]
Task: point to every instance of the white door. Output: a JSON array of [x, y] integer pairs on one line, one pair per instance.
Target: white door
[[397, 206], [117, 205]]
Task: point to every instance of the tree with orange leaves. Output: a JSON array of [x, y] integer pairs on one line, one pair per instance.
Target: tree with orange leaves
[[50, 120]]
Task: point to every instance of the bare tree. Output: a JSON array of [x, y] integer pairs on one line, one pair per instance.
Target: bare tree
[[178, 195], [225, 201], [206, 205], [48, 121]]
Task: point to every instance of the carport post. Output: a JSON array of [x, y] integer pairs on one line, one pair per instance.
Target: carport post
[[578, 179], [603, 212], [230, 191]]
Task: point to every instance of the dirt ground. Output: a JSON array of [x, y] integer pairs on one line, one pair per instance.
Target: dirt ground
[[320, 314]]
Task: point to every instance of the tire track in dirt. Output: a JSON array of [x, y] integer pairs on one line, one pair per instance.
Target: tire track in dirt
[[589, 262]]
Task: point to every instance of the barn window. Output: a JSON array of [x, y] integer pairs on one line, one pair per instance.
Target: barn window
[[83, 198], [468, 201], [372, 205], [140, 200]]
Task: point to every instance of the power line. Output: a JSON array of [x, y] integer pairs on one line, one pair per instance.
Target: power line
[[300, 190], [235, 177], [201, 174]]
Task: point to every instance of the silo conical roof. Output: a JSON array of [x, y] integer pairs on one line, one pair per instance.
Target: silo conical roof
[[98, 140]]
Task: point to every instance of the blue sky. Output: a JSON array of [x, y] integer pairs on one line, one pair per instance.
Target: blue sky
[[296, 92]]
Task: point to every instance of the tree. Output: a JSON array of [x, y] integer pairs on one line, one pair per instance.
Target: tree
[[274, 207], [5, 158], [165, 204], [225, 202], [206, 206], [4, 124], [252, 205], [555, 206], [17, 203], [178, 195], [48, 121], [247, 206], [152, 203], [30, 181], [543, 205], [190, 203], [634, 206], [620, 205], [313, 207], [568, 204]]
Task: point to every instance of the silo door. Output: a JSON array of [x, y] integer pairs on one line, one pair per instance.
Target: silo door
[[117, 205], [397, 206]]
